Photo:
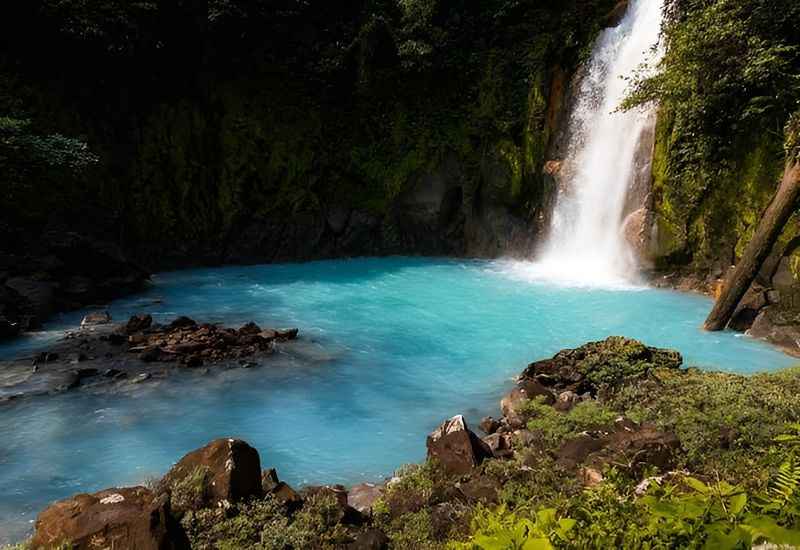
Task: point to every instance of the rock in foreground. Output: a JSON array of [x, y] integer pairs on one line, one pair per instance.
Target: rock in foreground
[[222, 473], [456, 447], [131, 518]]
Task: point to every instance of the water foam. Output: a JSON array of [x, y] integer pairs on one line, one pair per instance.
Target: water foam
[[586, 246]]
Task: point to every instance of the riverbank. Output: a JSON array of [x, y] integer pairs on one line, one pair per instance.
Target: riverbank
[[590, 443]]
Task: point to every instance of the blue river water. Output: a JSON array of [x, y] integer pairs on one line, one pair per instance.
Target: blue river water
[[389, 348]]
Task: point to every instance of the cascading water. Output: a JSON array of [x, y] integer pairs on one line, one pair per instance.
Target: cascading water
[[586, 245]]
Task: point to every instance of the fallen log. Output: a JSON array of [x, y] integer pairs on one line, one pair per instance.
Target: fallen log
[[758, 249]]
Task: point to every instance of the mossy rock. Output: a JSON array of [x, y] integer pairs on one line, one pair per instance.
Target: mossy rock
[[601, 365]]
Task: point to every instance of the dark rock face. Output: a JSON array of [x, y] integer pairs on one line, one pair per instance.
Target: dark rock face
[[628, 445], [115, 518], [371, 539], [223, 472], [456, 447], [489, 425], [598, 365], [63, 271], [751, 305], [779, 326]]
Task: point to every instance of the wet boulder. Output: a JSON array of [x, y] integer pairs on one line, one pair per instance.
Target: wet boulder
[[96, 318], [457, 448], [114, 518], [223, 472], [138, 323]]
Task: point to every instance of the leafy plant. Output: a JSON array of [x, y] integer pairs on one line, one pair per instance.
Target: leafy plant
[[501, 529]]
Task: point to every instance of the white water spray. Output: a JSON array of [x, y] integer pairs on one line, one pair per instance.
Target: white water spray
[[586, 245]]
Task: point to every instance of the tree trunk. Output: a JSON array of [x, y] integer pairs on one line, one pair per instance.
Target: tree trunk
[[769, 229]]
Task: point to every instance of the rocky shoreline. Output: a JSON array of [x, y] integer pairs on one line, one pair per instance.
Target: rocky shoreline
[[224, 481], [769, 310], [108, 357]]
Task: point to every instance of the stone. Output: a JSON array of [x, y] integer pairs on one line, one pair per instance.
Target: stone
[[599, 365], [635, 231], [371, 539], [114, 518], [181, 322], [223, 472], [577, 450], [489, 425], [286, 334], [96, 319], [617, 14], [249, 329], [150, 354], [590, 477], [456, 448], [496, 443], [269, 480], [553, 167], [628, 445], [513, 404], [783, 278], [480, 489], [347, 515], [138, 323], [287, 496], [779, 327], [363, 496], [750, 306], [39, 295], [566, 401]]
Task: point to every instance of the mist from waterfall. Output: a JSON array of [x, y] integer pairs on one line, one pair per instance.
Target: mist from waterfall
[[586, 245]]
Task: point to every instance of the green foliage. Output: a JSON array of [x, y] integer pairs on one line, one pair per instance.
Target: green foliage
[[792, 133], [266, 525], [724, 421], [501, 529], [726, 87], [554, 426]]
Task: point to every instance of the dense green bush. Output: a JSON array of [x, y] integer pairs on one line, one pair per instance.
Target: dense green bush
[[726, 86]]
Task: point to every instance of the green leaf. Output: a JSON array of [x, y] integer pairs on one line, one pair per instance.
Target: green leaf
[[697, 485], [766, 529], [737, 503], [537, 544]]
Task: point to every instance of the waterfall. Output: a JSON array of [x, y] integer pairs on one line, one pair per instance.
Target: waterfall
[[586, 245]]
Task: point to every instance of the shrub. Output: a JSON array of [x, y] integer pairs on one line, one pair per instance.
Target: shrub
[[554, 426]]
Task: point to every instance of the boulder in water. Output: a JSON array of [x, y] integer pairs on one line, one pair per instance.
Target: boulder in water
[[95, 319], [138, 323]]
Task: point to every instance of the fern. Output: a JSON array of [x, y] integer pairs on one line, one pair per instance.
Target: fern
[[785, 487]]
